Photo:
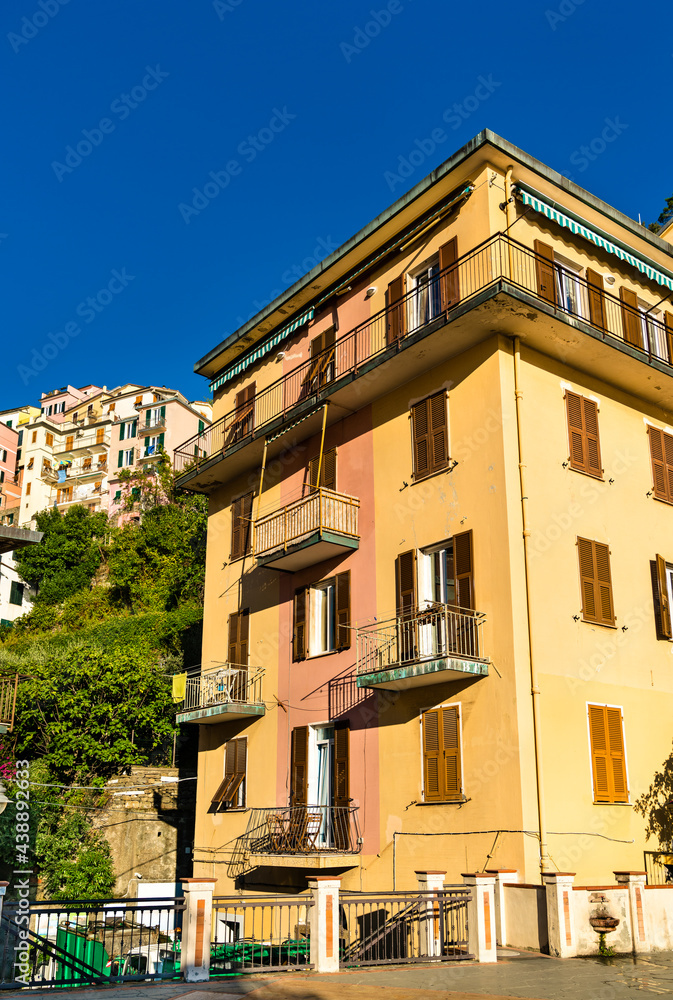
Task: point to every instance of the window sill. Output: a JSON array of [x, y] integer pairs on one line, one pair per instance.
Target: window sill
[[234, 809], [430, 475], [627, 804], [444, 802], [661, 499], [590, 621], [583, 472], [319, 656]]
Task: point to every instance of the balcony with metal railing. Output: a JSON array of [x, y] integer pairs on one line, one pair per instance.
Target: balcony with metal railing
[[497, 268], [231, 691], [300, 836], [8, 689], [432, 646], [307, 531], [74, 444]]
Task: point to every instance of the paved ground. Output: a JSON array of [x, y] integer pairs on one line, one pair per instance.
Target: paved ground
[[520, 975]]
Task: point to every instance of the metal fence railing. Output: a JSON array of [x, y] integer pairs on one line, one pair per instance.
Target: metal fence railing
[[302, 829], [322, 509], [79, 440], [440, 630], [260, 934], [499, 258], [659, 867], [82, 942], [8, 689], [378, 928], [232, 683]]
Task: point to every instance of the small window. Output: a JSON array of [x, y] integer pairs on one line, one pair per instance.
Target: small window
[[111, 407], [34, 437], [429, 426], [9, 423], [27, 489], [583, 439], [608, 757], [426, 302], [595, 582], [31, 462], [231, 791], [442, 765], [117, 496], [4, 455], [662, 592], [327, 470], [50, 440], [321, 617], [139, 401], [16, 593]]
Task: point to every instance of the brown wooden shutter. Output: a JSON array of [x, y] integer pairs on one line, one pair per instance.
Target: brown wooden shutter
[[451, 764], [630, 317], [327, 470], [464, 569], [420, 429], [236, 550], [239, 625], [438, 432], [583, 437], [599, 752], [241, 526], [595, 288], [299, 634], [617, 772], [591, 437], [405, 578], [343, 610], [662, 609], [341, 764], [544, 271], [395, 311], [595, 581], [299, 766], [661, 453], [668, 322], [68, 443], [432, 771], [449, 282], [575, 430]]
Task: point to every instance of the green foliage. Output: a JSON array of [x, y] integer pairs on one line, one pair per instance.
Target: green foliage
[[656, 805], [68, 556], [74, 859], [664, 218]]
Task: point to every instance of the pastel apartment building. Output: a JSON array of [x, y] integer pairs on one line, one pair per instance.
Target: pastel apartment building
[[440, 550]]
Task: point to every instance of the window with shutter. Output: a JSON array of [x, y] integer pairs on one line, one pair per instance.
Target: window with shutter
[[661, 454], [442, 766], [343, 610], [395, 311], [608, 757], [50, 440], [341, 790], [668, 325], [299, 766], [544, 271], [429, 427], [662, 575], [237, 654], [595, 287], [583, 437], [299, 625], [327, 470], [595, 581], [631, 325], [407, 605], [450, 278], [231, 791], [241, 526]]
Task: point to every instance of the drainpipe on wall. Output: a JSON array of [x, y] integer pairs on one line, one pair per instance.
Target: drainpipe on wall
[[545, 861]]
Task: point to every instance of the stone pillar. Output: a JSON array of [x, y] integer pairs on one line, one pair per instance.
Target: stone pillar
[[481, 916], [560, 914], [635, 883], [196, 929], [502, 877], [432, 882], [324, 923]]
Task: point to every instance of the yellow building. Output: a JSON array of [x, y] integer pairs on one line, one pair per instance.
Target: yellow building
[[440, 549]]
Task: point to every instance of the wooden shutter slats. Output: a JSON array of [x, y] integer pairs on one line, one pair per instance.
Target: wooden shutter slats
[[595, 287], [630, 317], [341, 764], [241, 526], [450, 281], [299, 631], [420, 426], [405, 576], [395, 311], [299, 766], [668, 324], [463, 569], [442, 768], [429, 425], [343, 610], [544, 271], [608, 757], [327, 470], [583, 436], [661, 455], [451, 750], [431, 753], [662, 608], [599, 753], [595, 581]]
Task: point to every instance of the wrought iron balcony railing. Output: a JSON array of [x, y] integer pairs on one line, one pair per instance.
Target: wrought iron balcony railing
[[228, 685], [302, 829], [439, 631], [80, 441], [321, 510], [499, 258]]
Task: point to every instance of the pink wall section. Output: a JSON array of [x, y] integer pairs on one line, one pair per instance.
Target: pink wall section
[[305, 686]]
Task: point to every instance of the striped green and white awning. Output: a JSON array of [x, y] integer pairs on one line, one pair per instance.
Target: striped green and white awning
[[579, 228], [260, 351]]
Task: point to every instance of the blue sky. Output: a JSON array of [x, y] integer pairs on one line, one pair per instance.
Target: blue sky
[[303, 111]]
